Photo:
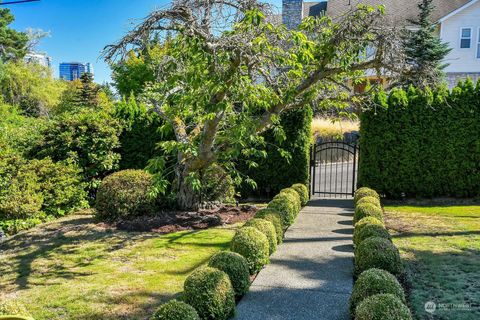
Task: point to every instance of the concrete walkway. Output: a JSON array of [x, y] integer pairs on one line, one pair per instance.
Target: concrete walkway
[[310, 276]]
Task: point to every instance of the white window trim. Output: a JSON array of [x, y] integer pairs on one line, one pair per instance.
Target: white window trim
[[462, 38], [478, 44]]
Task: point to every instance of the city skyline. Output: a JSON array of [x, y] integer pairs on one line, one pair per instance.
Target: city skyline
[[71, 71]]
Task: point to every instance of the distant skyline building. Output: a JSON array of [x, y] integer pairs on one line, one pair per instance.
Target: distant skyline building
[[71, 71], [40, 58]]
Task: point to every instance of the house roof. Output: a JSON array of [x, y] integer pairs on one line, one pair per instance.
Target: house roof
[[399, 11]]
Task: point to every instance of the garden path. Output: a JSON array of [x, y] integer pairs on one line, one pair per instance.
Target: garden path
[[311, 274]]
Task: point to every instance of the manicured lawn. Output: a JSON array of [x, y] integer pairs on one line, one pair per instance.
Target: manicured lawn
[[75, 269], [441, 248]]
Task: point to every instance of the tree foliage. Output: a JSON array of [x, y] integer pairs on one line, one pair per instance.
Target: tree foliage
[[227, 72], [12, 43], [425, 51]]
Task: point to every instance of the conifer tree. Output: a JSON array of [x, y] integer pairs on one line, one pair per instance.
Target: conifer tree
[[87, 96], [424, 50]]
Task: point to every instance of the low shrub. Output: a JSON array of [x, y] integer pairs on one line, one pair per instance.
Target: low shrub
[[369, 199], [12, 307], [365, 192], [236, 267], [210, 292], [274, 217], [382, 307], [295, 197], [362, 224], [302, 191], [284, 204], [367, 210], [369, 230], [377, 253], [253, 246], [125, 194], [175, 310], [374, 281], [267, 228]]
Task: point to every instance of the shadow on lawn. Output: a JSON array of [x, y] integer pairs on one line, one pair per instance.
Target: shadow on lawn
[[60, 238]]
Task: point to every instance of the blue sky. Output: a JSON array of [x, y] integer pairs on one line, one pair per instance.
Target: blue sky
[[80, 29]]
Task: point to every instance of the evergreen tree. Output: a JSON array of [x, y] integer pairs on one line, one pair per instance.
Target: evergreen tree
[[12, 43], [87, 96], [424, 50]]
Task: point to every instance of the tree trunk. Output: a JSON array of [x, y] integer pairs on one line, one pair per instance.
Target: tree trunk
[[187, 198]]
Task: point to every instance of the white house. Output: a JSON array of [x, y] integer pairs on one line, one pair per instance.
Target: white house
[[458, 24]]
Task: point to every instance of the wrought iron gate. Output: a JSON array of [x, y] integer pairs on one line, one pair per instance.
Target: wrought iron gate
[[334, 167]]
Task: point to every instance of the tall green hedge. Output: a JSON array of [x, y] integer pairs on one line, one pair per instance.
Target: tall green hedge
[[277, 172], [422, 143]]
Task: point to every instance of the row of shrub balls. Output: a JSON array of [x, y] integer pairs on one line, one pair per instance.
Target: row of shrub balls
[[210, 291], [377, 293]]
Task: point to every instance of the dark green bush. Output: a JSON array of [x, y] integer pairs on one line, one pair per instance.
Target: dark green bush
[[367, 221], [89, 139], [374, 281], [367, 210], [378, 253], [368, 231], [284, 204], [295, 197], [210, 292], [382, 307], [276, 171], [268, 229], [372, 200], [236, 267], [421, 143], [217, 185], [274, 217], [365, 192], [175, 310], [253, 245], [125, 194], [302, 191], [138, 125]]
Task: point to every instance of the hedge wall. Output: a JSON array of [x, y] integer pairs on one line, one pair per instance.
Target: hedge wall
[[422, 143], [275, 172]]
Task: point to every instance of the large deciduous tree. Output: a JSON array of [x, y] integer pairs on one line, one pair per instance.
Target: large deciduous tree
[[228, 71]]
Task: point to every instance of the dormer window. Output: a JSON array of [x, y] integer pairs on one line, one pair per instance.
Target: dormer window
[[466, 38]]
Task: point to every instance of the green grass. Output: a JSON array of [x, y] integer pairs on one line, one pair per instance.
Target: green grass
[[440, 246], [76, 269]]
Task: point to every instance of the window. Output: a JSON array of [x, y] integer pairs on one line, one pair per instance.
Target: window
[[466, 38]]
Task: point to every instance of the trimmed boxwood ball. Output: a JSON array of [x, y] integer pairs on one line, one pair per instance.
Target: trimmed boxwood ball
[[295, 197], [302, 191], [378, 253], [374, 281], [365, 192], [284, 204], [210, 292], [382, 307], [267, 228], [253, 246], [371, 200], [175, 310], [362, 224], [367, 210], [368, 231], [274, 217], [125, 194], [236, 267]]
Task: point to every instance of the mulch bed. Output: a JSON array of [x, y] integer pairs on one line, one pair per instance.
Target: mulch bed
[[174, 221]]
